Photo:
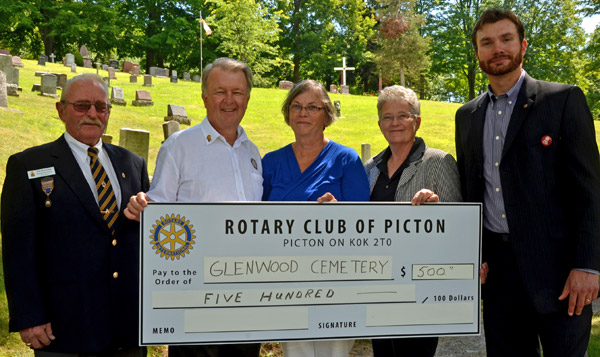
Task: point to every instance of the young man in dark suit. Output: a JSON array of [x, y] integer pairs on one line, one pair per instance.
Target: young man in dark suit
[[70, 258], [527, 150]]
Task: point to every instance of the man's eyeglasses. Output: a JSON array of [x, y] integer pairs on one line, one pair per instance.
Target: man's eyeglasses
[[84, 107], [310, 109], [401, 117]]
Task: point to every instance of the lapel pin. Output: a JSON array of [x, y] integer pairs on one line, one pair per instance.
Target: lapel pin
[[209, 138], [123, 175], [47, 187], [546, 140], [525, 106]]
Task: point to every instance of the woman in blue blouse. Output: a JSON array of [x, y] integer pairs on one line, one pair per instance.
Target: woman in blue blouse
[[307, 170]]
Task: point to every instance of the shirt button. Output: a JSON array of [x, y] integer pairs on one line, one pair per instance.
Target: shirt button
[[496, 164], [510, 102], [503, 215], [115, 275], [497, 137], [497, 189], [499, 112], [114, 242]]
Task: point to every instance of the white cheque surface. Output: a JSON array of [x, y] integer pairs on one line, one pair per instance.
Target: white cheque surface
[[229, 272]]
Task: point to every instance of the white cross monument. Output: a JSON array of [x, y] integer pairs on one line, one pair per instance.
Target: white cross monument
[[343, 68]]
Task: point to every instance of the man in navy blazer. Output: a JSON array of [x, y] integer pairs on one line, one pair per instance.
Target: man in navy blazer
[[71, 276], [527, 150]]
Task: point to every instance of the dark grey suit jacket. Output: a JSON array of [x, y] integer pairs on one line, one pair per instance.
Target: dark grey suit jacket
[[551, 193], [60, 261]]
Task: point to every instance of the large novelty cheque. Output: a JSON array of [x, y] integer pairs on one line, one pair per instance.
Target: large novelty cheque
[[241, 272]]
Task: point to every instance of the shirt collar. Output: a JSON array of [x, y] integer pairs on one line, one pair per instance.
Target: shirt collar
[[78, 148], [512, 92], [211, 134]]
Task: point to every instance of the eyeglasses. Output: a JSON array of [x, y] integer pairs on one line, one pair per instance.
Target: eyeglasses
[[402, 117], [310, 109], [84, 107]]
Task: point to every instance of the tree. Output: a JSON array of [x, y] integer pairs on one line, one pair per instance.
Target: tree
[[245, 30]]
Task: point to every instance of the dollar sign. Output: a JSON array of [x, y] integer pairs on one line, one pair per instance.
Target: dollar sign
[[403, 271]]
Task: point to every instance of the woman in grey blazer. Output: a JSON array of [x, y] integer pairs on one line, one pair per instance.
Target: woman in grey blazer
[[407, 170]]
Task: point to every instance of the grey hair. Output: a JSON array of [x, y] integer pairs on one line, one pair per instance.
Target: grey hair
[[229, 65], [397, 93], [305, 86], [83, 77]]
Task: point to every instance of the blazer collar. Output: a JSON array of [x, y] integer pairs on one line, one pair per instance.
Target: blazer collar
[[525, 101]]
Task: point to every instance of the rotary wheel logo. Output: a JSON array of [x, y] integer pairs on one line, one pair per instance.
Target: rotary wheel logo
[[172, 237]]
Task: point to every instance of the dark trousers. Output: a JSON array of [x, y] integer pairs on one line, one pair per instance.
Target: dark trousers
[[238, 350], [409, 347], [512, 325], [125, 352]]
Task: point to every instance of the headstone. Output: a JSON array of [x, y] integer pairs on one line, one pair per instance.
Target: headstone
[[106, 81], [16, 61], [62, 80], [48, 87], [111, 73], [178, 114], [73, 68], [69, 59], [343, 68], [12, 90], [87, 63], [117, 97], [142, 99], [11, 73], [345, 89], [113, 63], [174, 76], [169, 128], [186, 76], [135, 70], [159, 72], [365, 152], [104, 67], [36, 88], [136, 141], [197, 78], [5, 52], [3, 97], [84, 52], [147, 80], [286, 85], [127, 67], [133, 78], [40, 73], [98, 65], [42, 60], [52, 57], [107, 139], [338, 108], [333, 88]]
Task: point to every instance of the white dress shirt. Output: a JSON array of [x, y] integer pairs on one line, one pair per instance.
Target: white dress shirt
[[80, 152], [198, 165]]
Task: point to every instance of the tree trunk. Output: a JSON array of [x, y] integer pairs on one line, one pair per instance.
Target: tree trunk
[[471, 79]]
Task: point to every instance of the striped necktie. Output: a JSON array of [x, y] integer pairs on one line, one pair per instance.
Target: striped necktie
[[106, 195]]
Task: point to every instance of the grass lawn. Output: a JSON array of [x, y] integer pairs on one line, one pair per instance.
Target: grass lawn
[[37, 123]]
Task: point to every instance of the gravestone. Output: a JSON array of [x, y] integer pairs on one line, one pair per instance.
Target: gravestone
[[174, 76], [39, 73], [169, 128], [107, 139], [159, 72], [12, 90], [52, 57], [3, 97], [333, 88], [84, 52], [178, 114], [197, 78], [148, 80], [48, 87], [16, 61], [345, 89], [4, 52], [186, 76], [338, 108], [113, 63], [133, 78], [365, 152], [36, 87], [142, 99], [104, 67], [87, 63], [286, 85], [136, 141], [61, 80], [111, 73], [135, 70], [11, 73], [127, 67], [117, 97], [98, 66], [42, 60], [106, 81], [69, 59], [73, 68]]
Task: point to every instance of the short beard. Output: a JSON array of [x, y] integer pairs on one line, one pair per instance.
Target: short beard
[[514, 63]]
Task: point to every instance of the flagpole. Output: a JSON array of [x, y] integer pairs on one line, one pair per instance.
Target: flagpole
[[201, 59]]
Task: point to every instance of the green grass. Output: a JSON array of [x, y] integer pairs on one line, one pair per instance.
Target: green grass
[[39, 123]]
